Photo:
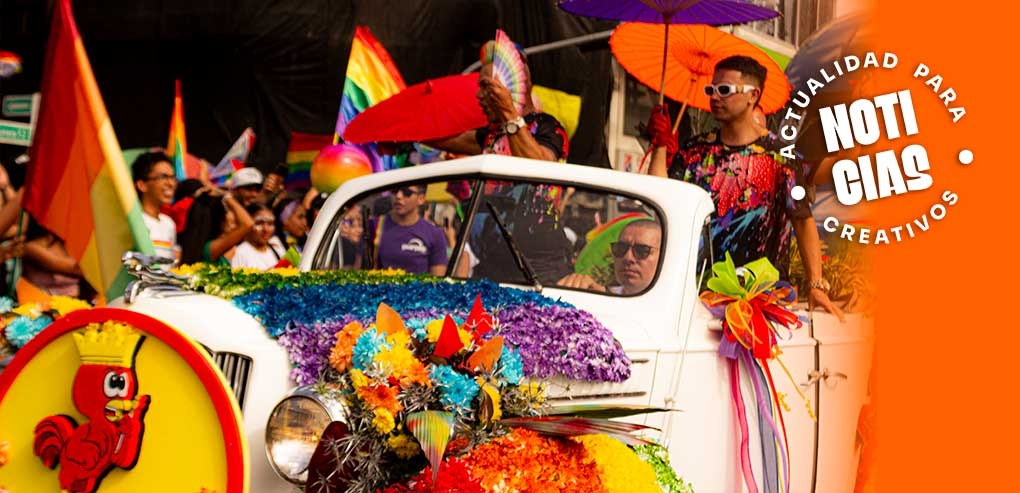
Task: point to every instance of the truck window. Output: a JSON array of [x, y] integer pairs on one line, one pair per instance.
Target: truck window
[[410, 226], [571, 237]]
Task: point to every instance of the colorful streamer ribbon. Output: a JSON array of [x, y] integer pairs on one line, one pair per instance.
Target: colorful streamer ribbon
[[753, 303]]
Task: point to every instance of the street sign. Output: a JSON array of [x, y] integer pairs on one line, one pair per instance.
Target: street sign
[[15, 133], [18, 105]]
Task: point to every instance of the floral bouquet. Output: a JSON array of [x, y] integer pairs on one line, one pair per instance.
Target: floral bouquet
[[415, 394], [408, 391]]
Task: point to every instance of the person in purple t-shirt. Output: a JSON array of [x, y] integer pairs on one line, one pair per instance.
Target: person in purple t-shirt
[[405, 240]]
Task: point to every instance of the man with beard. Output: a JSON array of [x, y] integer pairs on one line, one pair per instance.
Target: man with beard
[[155, 182]]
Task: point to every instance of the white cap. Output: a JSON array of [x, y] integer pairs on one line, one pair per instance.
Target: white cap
[[246, 177]]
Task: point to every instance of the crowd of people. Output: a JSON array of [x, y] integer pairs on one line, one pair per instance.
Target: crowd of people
[[253, 223]]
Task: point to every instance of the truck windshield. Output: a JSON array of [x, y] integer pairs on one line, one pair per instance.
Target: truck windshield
[[571, 237]]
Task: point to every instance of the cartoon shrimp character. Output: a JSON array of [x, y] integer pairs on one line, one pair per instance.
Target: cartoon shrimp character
[[105, 391]]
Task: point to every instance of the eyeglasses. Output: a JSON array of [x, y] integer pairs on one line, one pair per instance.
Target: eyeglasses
[[727, 90], [620, 249], [161, 178], [408, 191]]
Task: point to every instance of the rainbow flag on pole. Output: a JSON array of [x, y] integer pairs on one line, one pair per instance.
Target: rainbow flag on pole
[[77, 184], [177, 145], [371, 78]]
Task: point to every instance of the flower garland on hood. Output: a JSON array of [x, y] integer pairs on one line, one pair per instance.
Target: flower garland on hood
[[304, 310]]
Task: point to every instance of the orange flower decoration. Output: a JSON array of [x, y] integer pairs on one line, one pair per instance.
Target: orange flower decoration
[[381, 397], [343, 350], [527, 461]]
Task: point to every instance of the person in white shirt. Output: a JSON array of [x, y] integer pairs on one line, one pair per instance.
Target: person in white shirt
[[262, 249], [155, 182]]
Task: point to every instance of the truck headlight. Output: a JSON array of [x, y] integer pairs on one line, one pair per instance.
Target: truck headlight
[[293, 430]]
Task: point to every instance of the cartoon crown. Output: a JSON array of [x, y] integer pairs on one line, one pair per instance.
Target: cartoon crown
[[112, 344]]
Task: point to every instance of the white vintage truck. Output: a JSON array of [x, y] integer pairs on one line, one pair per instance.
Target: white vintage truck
[[670, 338]]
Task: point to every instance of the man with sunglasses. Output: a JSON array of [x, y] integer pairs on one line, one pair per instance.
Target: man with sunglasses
[[741, 166], [405, 240], [635, 259]]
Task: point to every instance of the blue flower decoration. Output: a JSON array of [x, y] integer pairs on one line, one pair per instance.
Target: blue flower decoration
[[6, 304], [456, 390], [510, 366], [22, 329], [369, 344]]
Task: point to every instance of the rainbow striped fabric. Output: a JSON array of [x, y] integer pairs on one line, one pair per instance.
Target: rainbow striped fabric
[[177, 144], [77, 184], [371, 78], [300, 153]]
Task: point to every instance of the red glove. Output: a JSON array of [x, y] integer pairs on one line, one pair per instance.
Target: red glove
[[661, 132]]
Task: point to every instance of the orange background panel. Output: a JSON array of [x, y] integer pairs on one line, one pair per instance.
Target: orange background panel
[[945, 355]]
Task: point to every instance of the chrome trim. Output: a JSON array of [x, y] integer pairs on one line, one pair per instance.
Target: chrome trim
[[236, 369], [147, 273]]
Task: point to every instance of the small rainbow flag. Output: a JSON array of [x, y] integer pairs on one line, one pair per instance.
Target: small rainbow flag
[[77, 184], [371, 78], [300, 154], [177, 146]]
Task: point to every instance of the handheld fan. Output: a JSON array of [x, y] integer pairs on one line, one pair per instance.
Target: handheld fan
[[508, 67]]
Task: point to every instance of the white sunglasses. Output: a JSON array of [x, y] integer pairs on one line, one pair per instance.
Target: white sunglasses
[[727, 90]]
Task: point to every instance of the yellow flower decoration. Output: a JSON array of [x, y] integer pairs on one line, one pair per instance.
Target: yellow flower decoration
[[65, 304], [187, 270], [432, 330], [535, 391], [383, 421], [403, 445], [358, 379], [401, 363], [620, 469], [399, 339], [285, 271], [32, 310]]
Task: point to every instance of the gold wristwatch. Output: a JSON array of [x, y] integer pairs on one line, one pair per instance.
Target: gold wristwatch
[[820, 283]]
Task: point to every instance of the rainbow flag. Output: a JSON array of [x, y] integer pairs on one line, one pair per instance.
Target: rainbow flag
[[371, 78], [177, 145], [300, 153], [234, 159], [77, 184]]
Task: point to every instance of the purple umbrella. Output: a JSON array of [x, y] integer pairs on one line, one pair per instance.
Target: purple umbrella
[[711, 12]]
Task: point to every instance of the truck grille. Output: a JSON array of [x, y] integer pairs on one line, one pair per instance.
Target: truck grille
[[236, 369]]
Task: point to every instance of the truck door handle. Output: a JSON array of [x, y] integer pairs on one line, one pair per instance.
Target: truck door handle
[[814, 376]]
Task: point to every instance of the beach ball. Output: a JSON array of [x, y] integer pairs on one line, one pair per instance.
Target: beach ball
[[336, 164]]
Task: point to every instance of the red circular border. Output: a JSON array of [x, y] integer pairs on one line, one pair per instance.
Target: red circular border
[[182, 345]]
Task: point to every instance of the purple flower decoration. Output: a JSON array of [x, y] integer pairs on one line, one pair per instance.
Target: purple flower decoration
[[552, 337]]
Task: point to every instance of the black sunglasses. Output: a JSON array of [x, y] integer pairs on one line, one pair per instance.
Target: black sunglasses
[[408, 191], [620, 249]]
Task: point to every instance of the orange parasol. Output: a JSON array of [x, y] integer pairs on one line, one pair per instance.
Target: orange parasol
[[693, 51]]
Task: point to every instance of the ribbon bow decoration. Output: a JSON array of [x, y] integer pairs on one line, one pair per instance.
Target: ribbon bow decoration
[[752, 302]]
